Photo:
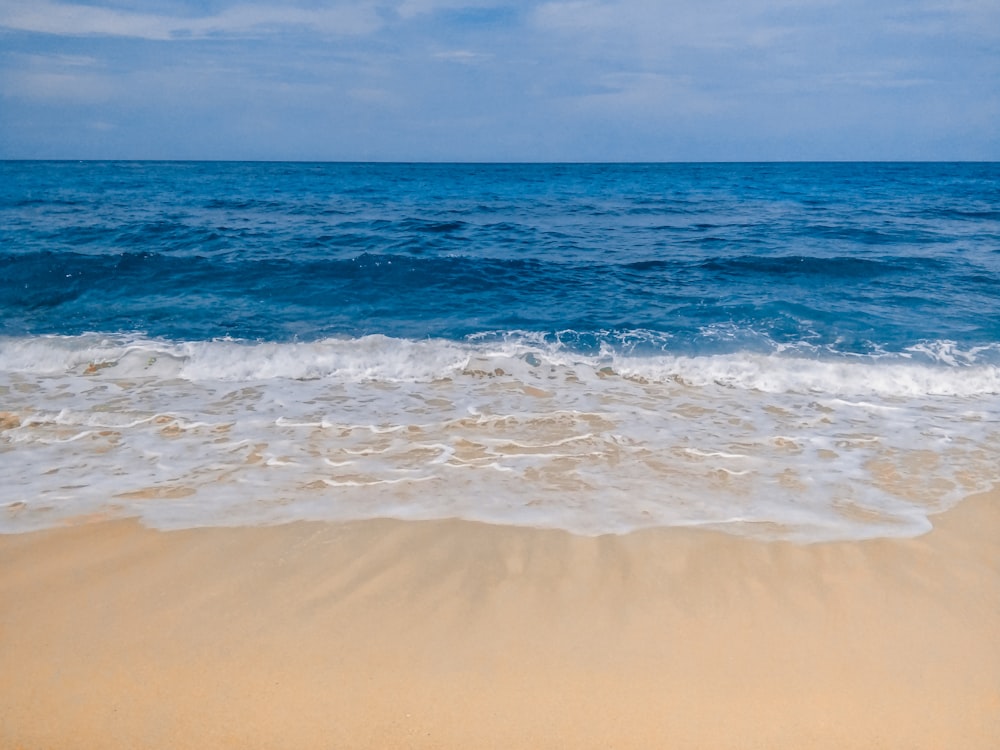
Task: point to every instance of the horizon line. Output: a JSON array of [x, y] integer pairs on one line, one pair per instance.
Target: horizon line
[[476, 162]]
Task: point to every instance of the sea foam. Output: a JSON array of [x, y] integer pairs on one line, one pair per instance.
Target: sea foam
[[512, 428]]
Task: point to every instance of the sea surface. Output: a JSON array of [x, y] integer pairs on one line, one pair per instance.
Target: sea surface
[[786, 351]]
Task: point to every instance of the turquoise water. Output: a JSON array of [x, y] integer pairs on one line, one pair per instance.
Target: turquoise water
[[804, 351]]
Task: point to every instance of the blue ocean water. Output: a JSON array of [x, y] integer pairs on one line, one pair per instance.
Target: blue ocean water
[[854, 258], [805, 351]]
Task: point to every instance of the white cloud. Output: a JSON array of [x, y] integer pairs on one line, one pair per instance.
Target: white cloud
[[58, 86], [711, 24], [577, 15], [53, 61], [39, 77], [645, 95], [412, 8], [240, 20], [538, 78], [462, 56], [965, 18], [871, 79], [58, 18]]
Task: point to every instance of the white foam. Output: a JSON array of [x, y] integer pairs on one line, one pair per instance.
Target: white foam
[[790, 374], [515, 430], [946, 371]]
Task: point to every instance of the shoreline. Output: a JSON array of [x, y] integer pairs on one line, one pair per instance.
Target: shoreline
[[457, 634]]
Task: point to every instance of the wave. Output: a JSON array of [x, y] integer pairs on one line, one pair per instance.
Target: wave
[[932, 368], [834, 267]]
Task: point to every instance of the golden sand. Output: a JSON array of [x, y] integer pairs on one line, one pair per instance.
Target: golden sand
[[389, 634]]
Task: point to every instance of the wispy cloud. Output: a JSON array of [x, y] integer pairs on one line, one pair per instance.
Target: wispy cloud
[[60, 87], [462, 56], [58, 77], [655, 96], [705, 24], [67, 19], [501, 79], [413, 8]]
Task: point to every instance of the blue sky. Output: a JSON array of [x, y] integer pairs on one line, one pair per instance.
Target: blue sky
[[494, 80]]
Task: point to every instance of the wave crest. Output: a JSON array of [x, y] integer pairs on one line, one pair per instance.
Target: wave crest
[[937, 368]]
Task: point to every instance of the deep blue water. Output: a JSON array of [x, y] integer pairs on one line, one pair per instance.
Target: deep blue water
[[846, 258]]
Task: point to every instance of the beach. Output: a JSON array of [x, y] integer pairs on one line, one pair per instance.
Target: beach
[[455, 634], [462, 456]]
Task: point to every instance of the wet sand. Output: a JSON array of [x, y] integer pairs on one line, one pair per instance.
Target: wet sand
[[391, 634]]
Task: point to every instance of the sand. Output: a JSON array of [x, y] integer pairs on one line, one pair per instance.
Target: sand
[[390, 634]]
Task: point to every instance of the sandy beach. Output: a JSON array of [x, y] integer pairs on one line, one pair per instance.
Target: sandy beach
[[390, 634]]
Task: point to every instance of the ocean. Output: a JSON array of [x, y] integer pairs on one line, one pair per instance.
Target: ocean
[[806, 352]]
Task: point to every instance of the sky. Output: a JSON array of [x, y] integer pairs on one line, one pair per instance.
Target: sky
[[500, 80]]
